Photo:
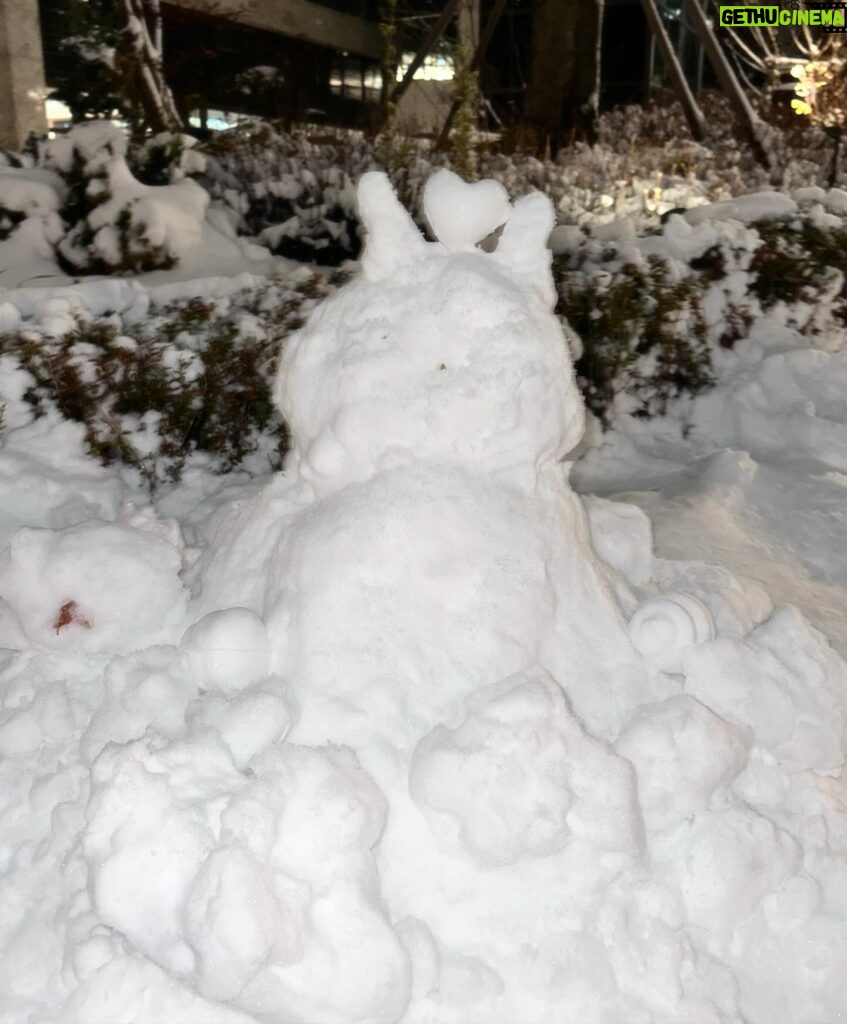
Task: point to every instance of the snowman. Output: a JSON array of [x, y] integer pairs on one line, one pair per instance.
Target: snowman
[[433, 406], [448, 801]]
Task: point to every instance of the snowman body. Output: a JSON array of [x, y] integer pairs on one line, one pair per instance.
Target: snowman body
[[432, 403]]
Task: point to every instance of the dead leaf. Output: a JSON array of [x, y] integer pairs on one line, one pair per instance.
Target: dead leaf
[[68, 613]]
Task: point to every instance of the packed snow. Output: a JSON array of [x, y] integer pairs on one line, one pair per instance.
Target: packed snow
[[439, 723]]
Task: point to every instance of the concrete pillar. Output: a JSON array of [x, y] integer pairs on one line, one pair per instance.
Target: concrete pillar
[[22, 86]]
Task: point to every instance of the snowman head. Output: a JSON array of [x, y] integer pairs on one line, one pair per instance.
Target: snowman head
[[438, 351]]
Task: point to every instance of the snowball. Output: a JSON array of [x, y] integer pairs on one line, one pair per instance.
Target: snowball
[[518, 776], [144, 846], [322, 946], [725, 863], [232, 924], [462, 213], [10, 317], [664, 626], [144, 690], [227, 650], [95, 587], [247, 723], [785, 682], [682, 753]]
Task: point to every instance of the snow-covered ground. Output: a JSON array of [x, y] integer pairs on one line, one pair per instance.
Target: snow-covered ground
[[411, 731]]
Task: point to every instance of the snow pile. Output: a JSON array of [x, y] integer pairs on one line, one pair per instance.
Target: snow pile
[[414, 751]]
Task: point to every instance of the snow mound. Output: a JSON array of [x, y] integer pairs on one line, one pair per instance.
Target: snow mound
[[95, 588], [518, 776]]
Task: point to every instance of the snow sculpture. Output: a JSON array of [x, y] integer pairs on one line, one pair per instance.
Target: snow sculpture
[[413, 763], [432, 402]]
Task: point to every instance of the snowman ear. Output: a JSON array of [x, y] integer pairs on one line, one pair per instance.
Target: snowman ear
[[392, 238], [523, 244]]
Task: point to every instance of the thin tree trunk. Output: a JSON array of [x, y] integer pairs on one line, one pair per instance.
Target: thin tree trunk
[[143, 42], [751, 124], [693, 114]]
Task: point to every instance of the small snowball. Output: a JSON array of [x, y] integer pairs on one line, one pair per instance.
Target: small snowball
[[248, 723], [232, 922], [227, 650], [663, 626], [725, 863], [143, 847], [785, 682], [10, 317]]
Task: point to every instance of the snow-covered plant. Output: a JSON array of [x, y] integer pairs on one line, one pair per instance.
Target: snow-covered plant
[[117, 224], [192, 379], [643, 336], [166, 158], [654, 314], [295, 195]]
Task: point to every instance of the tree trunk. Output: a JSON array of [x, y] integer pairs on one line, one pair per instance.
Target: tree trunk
[[142, 47], [564, 85]]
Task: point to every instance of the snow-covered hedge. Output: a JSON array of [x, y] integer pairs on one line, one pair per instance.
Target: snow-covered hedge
[[295, 195], [651, 318], [116, 223], [189, 379], [653, 313], [100, 206], [78, 201]]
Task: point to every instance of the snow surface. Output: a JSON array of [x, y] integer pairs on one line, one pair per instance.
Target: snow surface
[[412, 731]]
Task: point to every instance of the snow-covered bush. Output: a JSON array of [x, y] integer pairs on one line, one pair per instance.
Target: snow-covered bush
[[166, 158], [295, 195], [651, 313], [192, 378], [642, 332], [116, 224]]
